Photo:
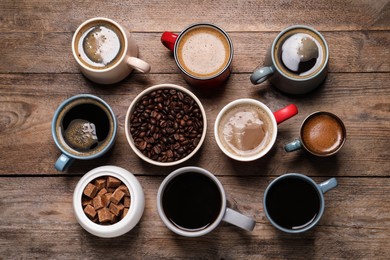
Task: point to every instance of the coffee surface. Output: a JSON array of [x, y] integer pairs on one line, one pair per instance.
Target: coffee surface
[[293, 203], [300, 53], [84, 127], [192, 201], [245, 130], [203, 52], [99, 45], [322, 134]]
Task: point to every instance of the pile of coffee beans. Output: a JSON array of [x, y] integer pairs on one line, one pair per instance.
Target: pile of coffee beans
[[166, 125]]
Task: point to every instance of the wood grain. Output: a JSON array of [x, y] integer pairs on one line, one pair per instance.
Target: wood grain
[[45, 224], [361, 100], [65, 16], [50, 52], [38, 72]]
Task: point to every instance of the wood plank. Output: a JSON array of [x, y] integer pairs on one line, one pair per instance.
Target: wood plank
[[42, 15], [42, 52], [361, 100], [356, 224]]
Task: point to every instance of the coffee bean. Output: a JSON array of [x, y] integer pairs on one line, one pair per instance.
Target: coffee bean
[[167, 125]]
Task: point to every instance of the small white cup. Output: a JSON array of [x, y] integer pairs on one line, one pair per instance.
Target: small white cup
[[122, 67], [136, 207], [225, 214]]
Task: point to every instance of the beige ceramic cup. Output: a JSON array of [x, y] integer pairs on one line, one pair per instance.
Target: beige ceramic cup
[[121, 66]]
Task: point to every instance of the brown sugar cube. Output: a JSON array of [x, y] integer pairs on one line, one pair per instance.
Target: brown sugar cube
[[125, 210], [111, 190], [86, 201], [100, 183], [116, 209], [99, 202], [105, 216], [90, 211], [102, 192], [126, 202], [117, 196], [107, 198], [90, 190], [113, 182], [124, 189]]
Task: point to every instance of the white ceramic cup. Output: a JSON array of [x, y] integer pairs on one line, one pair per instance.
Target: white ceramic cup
[[225, 214], [122, 67], [134, 214], [273, 119]]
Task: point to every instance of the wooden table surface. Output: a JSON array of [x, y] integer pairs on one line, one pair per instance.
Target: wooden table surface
[[38, 72]]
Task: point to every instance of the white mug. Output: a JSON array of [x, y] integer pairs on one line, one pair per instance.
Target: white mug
[[119, 67], [211, 191]]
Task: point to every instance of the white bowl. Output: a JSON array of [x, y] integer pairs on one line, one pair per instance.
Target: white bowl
[[132, 107], [136, 207]]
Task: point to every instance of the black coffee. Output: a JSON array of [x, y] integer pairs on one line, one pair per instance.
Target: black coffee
[[192, 201], [293, 203], [85, 126]]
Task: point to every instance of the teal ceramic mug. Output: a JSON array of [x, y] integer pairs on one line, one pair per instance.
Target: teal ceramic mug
[[83, 127], [297, 61], [294, 203]]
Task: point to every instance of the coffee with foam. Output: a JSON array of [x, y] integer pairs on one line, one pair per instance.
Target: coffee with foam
[[300, 53], [99, 45], [203, 51], [245, 130]]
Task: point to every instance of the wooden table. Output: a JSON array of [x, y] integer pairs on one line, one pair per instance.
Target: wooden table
[[38, 72]]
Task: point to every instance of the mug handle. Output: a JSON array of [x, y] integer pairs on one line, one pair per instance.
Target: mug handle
[[293, 146], [328, 185], [138, 64], [63, 162], [168, 39], [239, 220], [285, 113], [261, 74]]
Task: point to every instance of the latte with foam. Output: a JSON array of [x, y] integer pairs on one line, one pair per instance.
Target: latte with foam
[[245, 130], [203, 52], [99, 45], [300, 53]]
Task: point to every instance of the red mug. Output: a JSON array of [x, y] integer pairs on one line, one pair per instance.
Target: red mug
[[203, 52]]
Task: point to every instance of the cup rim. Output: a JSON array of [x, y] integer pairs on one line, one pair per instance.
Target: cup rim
[[315, 186], [136, 207], [251, 102], [300, 27], [131, 108], [207, 25], [331, 115], [94, 19], [169, 224], [54, 131]]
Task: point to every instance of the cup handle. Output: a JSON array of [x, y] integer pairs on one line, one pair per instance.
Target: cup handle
[[239, 220], [63, 162], [261, 74], [293, 146], [328, 185], [138, 64], [168, 39], [285, 113]]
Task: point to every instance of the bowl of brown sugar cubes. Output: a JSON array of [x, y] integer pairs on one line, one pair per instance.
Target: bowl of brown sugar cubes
[[165, 124], [108, 201]]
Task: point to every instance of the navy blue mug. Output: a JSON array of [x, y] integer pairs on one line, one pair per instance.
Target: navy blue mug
[[83, 127]]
